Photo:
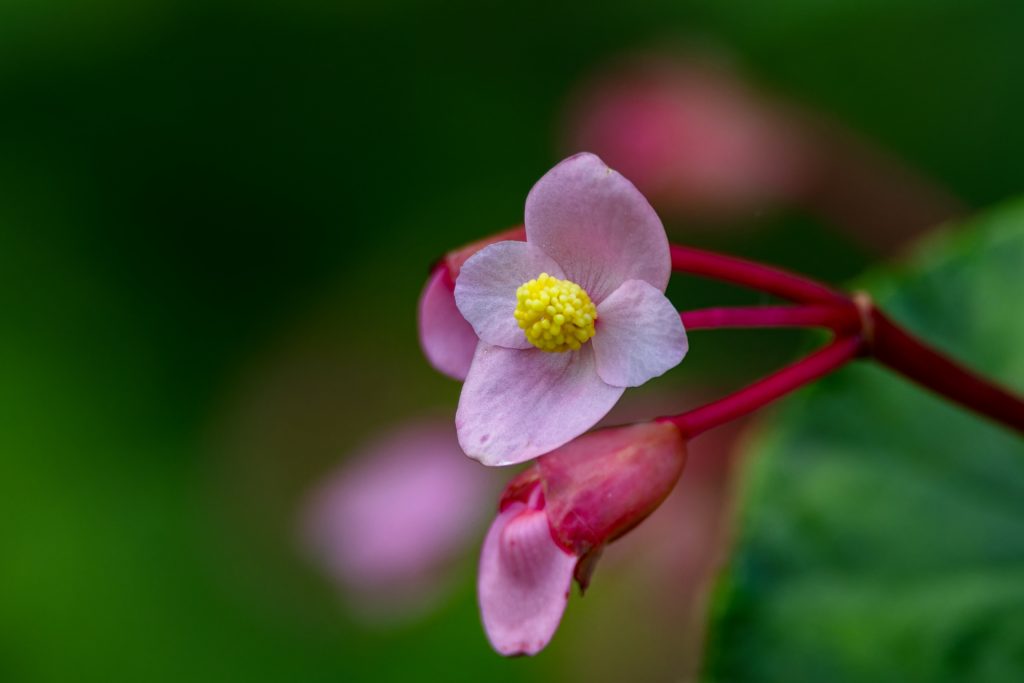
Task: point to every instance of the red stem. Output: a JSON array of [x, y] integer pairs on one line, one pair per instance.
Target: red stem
[[752, 275], [825, 307], [842, 319], [766, 390], [912, 358]]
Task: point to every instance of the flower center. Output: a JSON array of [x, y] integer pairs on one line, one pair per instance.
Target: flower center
[[555, 315]]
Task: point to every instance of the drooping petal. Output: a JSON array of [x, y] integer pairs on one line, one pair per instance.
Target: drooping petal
[[448, 341], [524, 581], [597, 226], [518, 404], [485, 291], [639, 335]]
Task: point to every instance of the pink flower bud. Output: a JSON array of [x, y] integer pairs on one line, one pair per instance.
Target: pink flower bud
[[555, 518], [603, 484]]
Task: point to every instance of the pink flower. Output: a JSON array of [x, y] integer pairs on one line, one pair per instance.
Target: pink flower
[[556, 517], [694, 138], [449, 341], [700, 142], [568, 319], [387, 524]]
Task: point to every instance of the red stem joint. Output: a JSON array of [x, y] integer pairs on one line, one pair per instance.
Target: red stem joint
[[859, 329]]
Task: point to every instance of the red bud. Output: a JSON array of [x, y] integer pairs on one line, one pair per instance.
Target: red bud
[[601, 485]]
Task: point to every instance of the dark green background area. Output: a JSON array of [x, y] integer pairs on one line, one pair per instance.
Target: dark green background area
[[196, 194]]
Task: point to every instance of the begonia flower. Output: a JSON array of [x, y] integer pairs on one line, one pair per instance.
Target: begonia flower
[[568, 319], [387, 524], [448, 341], [556, 517]]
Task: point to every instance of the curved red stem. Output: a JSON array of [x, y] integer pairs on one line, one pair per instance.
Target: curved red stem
[[752, 275], [897, 349], [766, 390], [842, 319], [861, 329]]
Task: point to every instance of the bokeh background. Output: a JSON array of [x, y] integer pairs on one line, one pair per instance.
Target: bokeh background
[[215, 220]]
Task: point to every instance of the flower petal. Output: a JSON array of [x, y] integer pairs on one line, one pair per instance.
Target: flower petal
[[518, 404], [597, 226], [455, 258], [524, 581], [485, 291], [639, 335], [448, 341]]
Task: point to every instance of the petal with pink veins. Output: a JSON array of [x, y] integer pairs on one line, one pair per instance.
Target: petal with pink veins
[[485, 291], [524, 581], [639, 335], [518, 404], [597, 226], [448, 341]]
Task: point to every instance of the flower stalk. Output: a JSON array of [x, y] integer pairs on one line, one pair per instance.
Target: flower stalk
[[768, 389], [859, 328], [897, 349], [838, 318], [753, 275]]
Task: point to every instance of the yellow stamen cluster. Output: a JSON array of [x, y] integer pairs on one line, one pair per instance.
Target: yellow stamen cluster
[[555, 315]]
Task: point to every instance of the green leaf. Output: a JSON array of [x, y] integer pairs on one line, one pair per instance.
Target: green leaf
[[881, 529]]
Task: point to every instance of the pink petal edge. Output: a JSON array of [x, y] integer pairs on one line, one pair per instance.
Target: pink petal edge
[[639, 335], [524, 581], [448, 341], [518, 404], [485, 291], [597, 226]]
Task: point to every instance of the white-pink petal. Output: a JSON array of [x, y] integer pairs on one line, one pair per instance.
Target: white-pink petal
[[448, 341], [518, 404], [597, 226], [485, 291], [524, 580], [639, 335]]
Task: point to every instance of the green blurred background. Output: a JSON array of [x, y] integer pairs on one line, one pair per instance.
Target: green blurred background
[[215, 220]]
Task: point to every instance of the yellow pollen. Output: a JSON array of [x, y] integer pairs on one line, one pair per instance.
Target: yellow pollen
[[555, 315]]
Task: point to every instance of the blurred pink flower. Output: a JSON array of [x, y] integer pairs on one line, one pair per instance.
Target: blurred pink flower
[[595, 264], [693, 139], [448, 341], [556, 517], [701, 143], [392, 518]]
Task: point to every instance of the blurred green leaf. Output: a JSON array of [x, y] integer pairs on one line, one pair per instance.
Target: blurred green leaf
[[881, 532]]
